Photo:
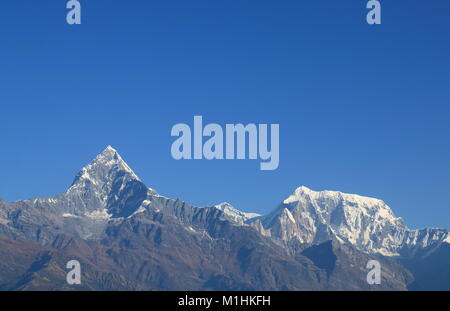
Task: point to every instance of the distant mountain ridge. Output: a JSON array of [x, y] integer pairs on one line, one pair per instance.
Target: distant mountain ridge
[[366, 223], [130, 237]]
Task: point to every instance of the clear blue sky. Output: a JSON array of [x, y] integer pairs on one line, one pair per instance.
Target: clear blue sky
[[362, 109]]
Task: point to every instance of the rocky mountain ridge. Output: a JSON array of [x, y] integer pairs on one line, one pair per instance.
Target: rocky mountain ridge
[[130, 237]]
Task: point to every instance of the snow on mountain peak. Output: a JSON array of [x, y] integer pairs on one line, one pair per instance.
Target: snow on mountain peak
[[303, 189], [110, 148], [234, 213], [302, 192], [105, 166], [367, 223], [103, 189], [101, 180]]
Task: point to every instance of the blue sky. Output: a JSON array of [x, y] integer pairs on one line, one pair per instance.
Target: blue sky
[[362, 109]]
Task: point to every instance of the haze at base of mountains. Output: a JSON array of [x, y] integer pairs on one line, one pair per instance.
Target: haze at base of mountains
[[128, 237]]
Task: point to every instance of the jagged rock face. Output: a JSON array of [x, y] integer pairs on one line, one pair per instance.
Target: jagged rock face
[[102, 189], [129, 237], [105, 189], [366, 223]]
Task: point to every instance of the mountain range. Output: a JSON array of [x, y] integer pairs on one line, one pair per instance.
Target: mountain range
[[128, 237]]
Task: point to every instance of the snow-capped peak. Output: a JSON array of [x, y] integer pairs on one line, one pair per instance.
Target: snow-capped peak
[[367, 223], [102, 180], [110, 149], [302, 192], [105, 188], [106, 166], [234, 213]]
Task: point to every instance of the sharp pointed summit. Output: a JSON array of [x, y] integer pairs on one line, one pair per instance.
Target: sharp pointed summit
[[100, 185], [104, 168]]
